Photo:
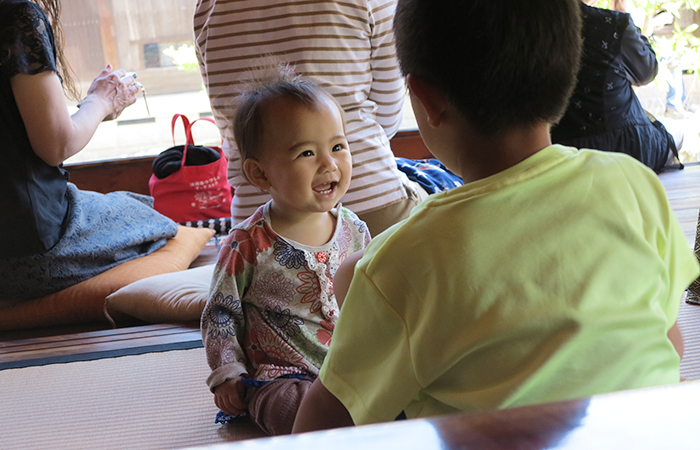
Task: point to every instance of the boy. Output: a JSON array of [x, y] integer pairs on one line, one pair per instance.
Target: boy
[[551, 274]]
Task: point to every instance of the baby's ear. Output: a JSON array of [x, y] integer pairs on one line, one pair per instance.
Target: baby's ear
[[431, 98], [255, 173]]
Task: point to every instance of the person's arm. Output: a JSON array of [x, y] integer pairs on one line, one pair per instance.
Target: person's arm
[[674, 334], [223, 322], [54, 134], [320, 410], [343, 277], [637, 57], [676, 338], [388, 89]]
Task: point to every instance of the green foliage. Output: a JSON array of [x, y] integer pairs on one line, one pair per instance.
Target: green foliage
[[184, 56], [681, 48]]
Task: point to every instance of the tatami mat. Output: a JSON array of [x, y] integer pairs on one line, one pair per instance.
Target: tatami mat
[[151, 401], [160, 400], [689, 324]]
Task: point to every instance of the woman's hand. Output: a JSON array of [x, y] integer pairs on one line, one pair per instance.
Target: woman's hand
[[114, 89], [54, 134]]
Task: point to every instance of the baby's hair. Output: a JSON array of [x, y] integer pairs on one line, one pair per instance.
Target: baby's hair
[[274, 82]]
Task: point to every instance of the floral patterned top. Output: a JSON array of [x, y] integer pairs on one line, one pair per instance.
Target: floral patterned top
[[271, 309]]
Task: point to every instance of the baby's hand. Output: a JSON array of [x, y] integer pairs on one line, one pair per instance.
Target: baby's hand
[[230, 397]]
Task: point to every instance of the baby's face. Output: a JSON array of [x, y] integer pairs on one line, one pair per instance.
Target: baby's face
[[305, 156]]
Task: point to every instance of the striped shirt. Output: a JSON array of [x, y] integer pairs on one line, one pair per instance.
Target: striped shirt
[[345, 46]]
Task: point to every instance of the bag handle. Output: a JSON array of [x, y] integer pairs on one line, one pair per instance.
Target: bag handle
[[188, 135], [210, 120], [189, 140], [186, 124]]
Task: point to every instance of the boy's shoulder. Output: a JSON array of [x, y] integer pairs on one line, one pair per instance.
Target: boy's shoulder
[[556, 168], [601, 173], [597, 160], [569, 162]]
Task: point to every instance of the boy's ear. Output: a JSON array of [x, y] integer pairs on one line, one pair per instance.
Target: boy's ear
[[432, 99], [255, 173]]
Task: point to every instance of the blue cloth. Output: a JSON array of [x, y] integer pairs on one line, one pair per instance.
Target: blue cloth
[[431, 174], [103, 231], [223, 418]]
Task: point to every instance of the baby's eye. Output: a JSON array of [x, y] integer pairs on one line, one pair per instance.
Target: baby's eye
[[306, 153], [338, 147]]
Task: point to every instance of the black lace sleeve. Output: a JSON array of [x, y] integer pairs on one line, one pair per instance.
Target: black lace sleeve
[[26, 39]]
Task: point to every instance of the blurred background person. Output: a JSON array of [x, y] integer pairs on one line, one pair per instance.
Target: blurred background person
[[604, 112]]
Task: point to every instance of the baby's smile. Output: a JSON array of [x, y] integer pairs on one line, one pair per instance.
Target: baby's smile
[[325, 188]]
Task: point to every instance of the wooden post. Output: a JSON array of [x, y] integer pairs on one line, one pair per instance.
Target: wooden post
[[109, 41]]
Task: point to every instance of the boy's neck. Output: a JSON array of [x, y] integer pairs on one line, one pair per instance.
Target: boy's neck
[[482, 157], [312, 229]]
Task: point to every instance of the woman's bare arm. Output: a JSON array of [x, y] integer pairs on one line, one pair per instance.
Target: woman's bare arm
[[54, 134]]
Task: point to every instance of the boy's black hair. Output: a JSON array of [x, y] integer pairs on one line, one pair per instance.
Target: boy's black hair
[[502, 63], [277, 81]]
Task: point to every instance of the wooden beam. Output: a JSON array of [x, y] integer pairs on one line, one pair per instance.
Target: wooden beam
[[132, 174], [409, 144], [129, 174], [109, 40]]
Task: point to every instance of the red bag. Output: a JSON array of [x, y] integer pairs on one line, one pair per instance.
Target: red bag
[[193, 192]]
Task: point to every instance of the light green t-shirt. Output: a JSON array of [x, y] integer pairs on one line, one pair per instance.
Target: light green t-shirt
[[558, 278]]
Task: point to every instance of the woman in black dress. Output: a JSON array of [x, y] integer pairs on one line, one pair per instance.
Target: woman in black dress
[[53, 235], [604, 113]]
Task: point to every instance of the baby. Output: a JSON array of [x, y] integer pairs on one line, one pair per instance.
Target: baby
[[272, 310]]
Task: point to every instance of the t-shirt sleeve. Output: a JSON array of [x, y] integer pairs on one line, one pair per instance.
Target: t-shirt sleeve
[[369, 366], [668, 238], [26, 41]]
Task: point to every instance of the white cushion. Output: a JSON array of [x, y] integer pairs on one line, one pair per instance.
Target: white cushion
[[171, 297]]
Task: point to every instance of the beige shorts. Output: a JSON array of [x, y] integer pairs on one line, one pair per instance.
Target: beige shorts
[[379, 220]]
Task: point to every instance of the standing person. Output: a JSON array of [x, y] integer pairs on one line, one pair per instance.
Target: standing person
[[272, 308], [348, 48], [553, 273], [604, 112], [662, 26], [54, 234]]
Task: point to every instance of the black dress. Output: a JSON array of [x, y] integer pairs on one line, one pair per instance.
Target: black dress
[[53, 235], [604, 113], [33, 203]]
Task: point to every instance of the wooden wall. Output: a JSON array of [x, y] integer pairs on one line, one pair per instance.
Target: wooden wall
[[132, 174], [101, 32]]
